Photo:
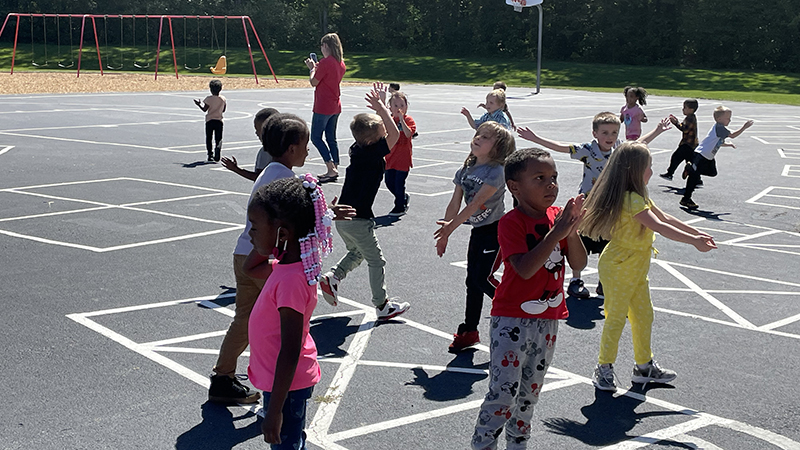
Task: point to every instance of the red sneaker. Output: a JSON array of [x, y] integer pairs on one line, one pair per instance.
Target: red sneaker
[[463, 341]]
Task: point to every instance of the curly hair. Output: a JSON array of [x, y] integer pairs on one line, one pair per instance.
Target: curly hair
[[518, 161], [286, 201]]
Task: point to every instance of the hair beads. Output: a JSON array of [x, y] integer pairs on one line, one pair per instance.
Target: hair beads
[[319, 242]]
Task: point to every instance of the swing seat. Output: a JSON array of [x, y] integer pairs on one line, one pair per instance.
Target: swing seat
[[221, 67]]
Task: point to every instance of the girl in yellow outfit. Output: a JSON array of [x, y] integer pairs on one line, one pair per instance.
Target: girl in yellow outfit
[[619, 209]]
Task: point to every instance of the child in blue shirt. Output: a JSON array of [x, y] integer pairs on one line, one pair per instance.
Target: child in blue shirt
[[495, 104]]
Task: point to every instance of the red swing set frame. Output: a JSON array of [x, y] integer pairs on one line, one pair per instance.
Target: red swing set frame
[[168, 17]]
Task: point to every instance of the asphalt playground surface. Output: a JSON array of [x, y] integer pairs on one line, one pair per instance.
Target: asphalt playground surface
[[117, 285]]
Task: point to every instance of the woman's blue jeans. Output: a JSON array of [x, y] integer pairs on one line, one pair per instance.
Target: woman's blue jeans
[[321, 123]]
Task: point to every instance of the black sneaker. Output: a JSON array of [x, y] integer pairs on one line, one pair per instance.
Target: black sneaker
[[405, 203], [666, 176], [228, 390], [577, 289], [599, 291], [397, 211], [688, 203], [217, 151]]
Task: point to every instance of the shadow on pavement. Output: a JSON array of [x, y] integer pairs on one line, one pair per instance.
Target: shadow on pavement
[[447, 385], [218, 430]]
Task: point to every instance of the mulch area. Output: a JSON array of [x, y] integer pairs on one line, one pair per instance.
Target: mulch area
[[68, 82]]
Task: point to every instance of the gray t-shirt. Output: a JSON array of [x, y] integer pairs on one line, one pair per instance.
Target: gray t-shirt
[[472, 179], [262, 159], [713, 141]]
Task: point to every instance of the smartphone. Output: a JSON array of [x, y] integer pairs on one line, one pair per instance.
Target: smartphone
[[313, 57]]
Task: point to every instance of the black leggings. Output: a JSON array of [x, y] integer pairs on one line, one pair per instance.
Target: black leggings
[[684, 152], [700, 166], [213, 127], [482, 252]]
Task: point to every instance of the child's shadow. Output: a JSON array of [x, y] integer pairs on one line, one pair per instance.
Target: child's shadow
[[385, 221], [673, 189], [450, 385], [609, 419], [330, 335], [584, 313], [218, 430], [192, 165], [708, 215]]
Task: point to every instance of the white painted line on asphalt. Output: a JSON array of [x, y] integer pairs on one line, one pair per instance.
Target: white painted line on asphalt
[[749, 237], [791, 171], [708, 297], [52, 214], [6, 149], [765, 435], [702, 421], [178, 340], [780, 323], [759, 139], [694, 442]]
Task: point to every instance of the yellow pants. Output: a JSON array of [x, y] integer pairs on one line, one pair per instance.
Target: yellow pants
[[623, 273]]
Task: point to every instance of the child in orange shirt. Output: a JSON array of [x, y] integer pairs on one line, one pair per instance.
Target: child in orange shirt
[[398, 162]]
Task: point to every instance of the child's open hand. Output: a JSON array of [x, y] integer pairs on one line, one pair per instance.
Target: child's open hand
[[342, 212], [704, 242], [666, 123], [442, 235], [747, 124], [381, 89], [465, 112], [229, 163], [374, 101], [526, 133], [567, 220]]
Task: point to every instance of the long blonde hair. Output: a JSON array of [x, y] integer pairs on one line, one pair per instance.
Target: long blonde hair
[[334, 45], [623, 173], [504, 144]]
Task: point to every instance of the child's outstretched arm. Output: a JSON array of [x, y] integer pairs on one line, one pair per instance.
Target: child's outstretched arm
[[527, 264], [527, 134], [341, 212], [662, 126], [736, 133], [381, 89], [291, 344], [257, 266], [452, 220], [232, 165], [203, 107], [651, 218], [467, 114], [374, 103]]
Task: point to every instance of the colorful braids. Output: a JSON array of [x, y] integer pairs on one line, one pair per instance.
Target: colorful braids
[[318, 243]]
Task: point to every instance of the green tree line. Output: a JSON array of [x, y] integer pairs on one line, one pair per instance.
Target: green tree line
[[731, 34]]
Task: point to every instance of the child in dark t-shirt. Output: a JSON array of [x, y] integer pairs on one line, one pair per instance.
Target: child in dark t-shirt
[[688, 142], [364, 176]]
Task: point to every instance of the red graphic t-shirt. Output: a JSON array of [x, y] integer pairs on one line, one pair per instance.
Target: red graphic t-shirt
[[542, 295], [400, 157]]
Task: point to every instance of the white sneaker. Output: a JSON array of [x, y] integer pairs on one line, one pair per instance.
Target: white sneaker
[[603, 377], [392, 309], [330, 288]]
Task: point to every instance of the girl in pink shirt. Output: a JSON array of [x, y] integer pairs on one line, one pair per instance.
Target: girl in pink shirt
[[291, 221], [632, 115]]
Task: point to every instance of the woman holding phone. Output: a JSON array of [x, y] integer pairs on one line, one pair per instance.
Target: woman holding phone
[[325, 76]]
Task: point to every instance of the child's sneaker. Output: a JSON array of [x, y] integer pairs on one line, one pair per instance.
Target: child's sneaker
[[685, 173], [392, 309], [666, 176], [229, 390], [464, 340], [330, 288], [603, 377], [652, 372], [397, 211], [688, 203], [599, 291], [217, 151], [405, 203], [577, 289]]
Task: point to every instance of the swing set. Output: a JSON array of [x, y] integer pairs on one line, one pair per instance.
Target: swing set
[[115, 59]]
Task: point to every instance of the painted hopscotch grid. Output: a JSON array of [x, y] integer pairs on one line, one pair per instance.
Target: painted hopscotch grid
[[790, 170], [134, 206], [778, 196], [319, 427]]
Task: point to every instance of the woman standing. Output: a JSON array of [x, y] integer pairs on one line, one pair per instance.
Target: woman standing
[[325, 76]]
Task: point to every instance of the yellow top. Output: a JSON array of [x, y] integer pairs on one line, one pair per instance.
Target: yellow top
[[628, 232]]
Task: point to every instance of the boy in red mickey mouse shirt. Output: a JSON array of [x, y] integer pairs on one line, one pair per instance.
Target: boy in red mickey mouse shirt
[[534, 238]]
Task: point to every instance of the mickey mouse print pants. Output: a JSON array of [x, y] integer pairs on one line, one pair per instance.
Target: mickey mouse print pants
[[520, 353]]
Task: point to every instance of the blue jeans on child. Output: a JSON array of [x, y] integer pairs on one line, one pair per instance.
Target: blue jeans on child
[[293, 435], [396, 183], [321, 123]]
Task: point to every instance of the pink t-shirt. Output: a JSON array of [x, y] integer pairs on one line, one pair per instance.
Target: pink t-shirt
[[286, 287], [633, 121], [329, 73], [216, 106]]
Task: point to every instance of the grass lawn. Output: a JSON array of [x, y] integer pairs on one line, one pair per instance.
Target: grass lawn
[[736, 85]]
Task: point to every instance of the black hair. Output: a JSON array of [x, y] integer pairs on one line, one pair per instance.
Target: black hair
[[215, 86], [264, 114], [691, 103], [517, 162], [281, 131], [641, 94], [395, 86], [286, 200]]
